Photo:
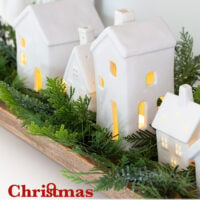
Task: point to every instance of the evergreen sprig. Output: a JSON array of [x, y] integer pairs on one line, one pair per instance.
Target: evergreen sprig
[[187, 66], [7, 53]]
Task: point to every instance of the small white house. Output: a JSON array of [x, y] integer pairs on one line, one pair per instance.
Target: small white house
[[177, 125], [134, 66], [80, 69], [47, 33]]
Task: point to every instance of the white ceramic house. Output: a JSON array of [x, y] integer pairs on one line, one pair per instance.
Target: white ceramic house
[[80, 69], [133, 67], [194, 154], [47, 33], [177, 125]]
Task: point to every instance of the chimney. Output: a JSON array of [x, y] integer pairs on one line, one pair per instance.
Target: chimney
[[86, 35], [123, 16], [185, 94]]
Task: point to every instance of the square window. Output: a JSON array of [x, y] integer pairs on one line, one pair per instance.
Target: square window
[[150, 78], [113, 68]]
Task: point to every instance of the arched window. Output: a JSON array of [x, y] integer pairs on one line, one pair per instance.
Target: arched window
[[142, 115], [23, 58], [23, 42], [37, 79], [115, 120]]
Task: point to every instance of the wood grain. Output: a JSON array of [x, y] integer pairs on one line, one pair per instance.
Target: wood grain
[[57, 152]]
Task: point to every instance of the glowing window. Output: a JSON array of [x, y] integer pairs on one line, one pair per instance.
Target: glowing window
[[113, 68], [65, 84], [173, 162], [150, 78], [164, 142], [142, 115], [23, 42], [159, 101], [23, 58], [178, 149], [102, 82], [115, 121], [38, 79]]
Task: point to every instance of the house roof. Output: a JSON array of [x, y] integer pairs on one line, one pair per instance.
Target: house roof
[[194, 150], [177, 120], [138, 37], [86, 65], [59, 20]]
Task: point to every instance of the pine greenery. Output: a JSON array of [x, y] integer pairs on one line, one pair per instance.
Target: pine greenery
[[53, 113], [187, 66], [7, 53]]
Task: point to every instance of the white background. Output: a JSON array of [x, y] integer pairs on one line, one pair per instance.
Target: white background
[[22, 164], [177, 13]]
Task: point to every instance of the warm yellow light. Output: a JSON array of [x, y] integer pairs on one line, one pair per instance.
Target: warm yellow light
[[113, 68], [65, 83], [38, 79], [23, 42], [161, 98], [23, 58], [141, 115], [150, 78], [173, 162], [164, 142], [159, 101], [102, 82], [115, 121], [178, 149]]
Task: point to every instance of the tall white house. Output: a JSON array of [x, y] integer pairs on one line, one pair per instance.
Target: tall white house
[[46, 34], [134, 66]]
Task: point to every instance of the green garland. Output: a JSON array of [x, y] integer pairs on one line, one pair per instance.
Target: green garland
[[53, 113]]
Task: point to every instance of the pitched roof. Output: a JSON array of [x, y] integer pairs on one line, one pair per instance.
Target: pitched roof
[[138, 37], [177, 120], [86, 65], [59, 20]]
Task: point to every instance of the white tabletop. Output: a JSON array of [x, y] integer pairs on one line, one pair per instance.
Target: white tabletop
[[22, 164]]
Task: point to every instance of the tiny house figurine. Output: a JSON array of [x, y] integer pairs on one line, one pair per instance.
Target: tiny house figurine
[[80, 69], [177, 125], [46, 34], [134, 64]]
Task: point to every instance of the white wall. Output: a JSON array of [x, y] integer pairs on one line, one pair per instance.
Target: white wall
[[177, 13]]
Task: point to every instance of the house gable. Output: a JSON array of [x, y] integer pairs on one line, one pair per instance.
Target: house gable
[[75, 74], [133, 38], [176, 120], [26, 19], [61, 28]]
